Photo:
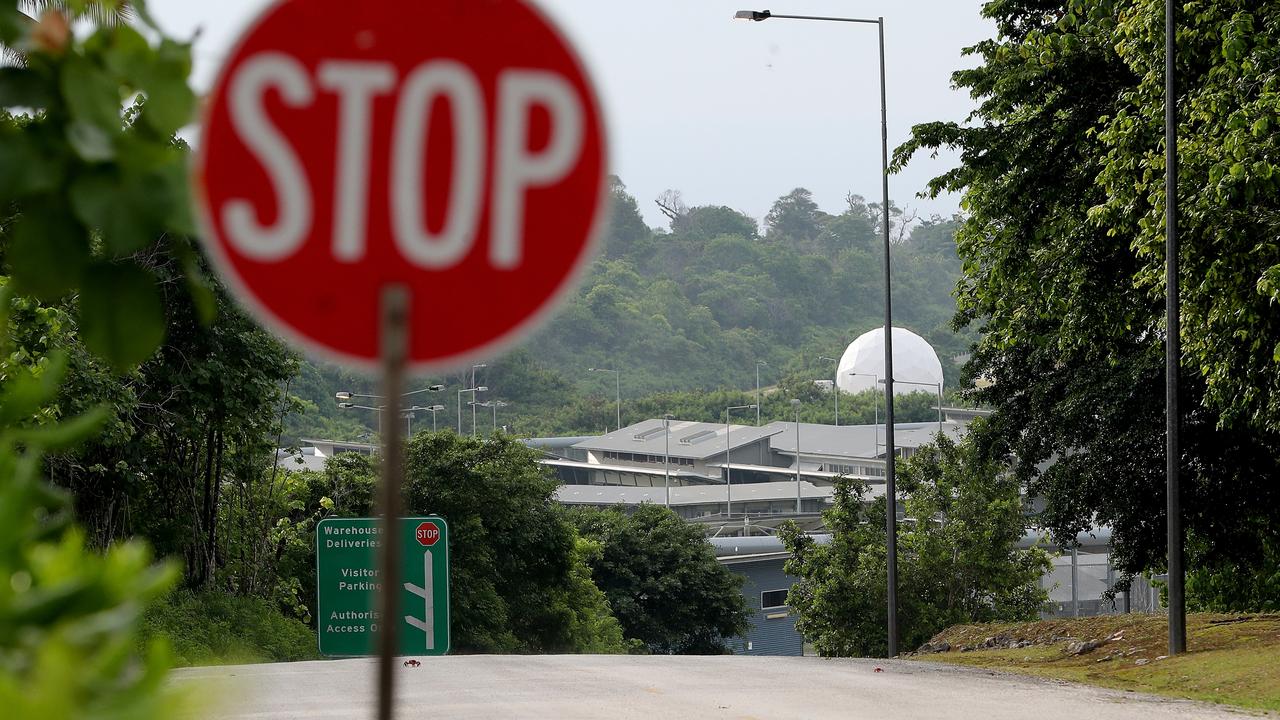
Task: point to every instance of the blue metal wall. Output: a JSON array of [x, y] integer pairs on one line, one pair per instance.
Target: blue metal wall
[[768, 635]]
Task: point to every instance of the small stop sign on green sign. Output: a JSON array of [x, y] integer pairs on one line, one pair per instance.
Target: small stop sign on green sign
[[347, 583]]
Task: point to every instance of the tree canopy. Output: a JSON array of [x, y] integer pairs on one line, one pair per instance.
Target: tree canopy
[[1062, 248]]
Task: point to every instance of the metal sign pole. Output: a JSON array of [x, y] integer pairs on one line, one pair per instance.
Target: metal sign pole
[[395, 345]]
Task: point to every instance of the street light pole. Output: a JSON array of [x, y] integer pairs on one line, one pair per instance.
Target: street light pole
[[1173, 340], [666, 457], [891, 517], [617, 390], [796, 404], [728, 463], [758, 364], [434, 409], [836, 388], [473, 391], [937, 385], [875, 404]]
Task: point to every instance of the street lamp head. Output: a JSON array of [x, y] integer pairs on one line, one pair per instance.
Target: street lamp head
[[435, 388], [346, 405], [344, 395], [756, 15], [482, 388], [762, 363], [435, 408]]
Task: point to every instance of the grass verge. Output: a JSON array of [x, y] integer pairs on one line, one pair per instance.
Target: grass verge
[[216, 629], [1231, 659]]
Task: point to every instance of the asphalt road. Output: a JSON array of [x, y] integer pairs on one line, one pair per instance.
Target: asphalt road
[[649, 688]]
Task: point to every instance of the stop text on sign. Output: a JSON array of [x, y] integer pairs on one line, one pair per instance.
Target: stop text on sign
[[516, 167], [427, 534], [453, 152]]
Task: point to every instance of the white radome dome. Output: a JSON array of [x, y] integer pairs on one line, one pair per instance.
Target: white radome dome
[[913, 360]]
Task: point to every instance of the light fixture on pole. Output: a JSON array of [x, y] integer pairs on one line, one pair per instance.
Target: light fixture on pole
[[759, 364], [617, 390], [473, 391], [728, 464], [494, 405], [891, 517], [937, 385], [354, 406], [836, 387], [795, 404], [348, 395], [434, 409], [473, 397]]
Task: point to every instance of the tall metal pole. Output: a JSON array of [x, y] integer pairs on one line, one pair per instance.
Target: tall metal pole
[[460, 412], [394, 341], [757, 392], [1173, 349], [728, 470], [617, 394], [666, 458], [836, 387], [939, 408], [890, 486], [891, 520], [797, 459]]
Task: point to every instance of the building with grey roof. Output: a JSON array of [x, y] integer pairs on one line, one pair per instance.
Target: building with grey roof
[[696, 460]]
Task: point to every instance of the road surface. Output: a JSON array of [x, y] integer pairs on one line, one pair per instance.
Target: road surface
[[647, 688]]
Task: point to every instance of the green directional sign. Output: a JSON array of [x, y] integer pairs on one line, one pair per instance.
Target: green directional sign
[[348, 581]]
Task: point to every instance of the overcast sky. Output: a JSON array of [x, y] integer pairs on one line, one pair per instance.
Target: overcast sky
[[732, 112]]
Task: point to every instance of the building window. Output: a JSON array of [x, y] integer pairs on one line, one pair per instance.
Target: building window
[[773, 599]]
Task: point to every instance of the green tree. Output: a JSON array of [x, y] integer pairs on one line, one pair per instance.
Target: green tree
[[663, 581], [517, 567], [957, 556], [1063, 268], [82, 193]]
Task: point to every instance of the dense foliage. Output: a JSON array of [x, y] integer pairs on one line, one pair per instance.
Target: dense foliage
[[663, 581], [83, 198], [687, 312], [518, 577], [957, 560], [1062, 168], [212, 628]]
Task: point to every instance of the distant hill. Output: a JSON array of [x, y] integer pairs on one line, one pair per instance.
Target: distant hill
[[690, 309]]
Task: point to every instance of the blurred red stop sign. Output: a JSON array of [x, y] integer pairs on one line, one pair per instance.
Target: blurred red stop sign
[[427, 534], [453, 148]]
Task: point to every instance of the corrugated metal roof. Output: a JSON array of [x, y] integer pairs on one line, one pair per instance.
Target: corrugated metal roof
[[854, 441], [692, 494], [693, 440]]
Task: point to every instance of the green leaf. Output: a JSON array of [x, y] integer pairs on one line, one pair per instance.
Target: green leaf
[[25, 168], [23, 87], [121, 313], [91, 94], [127, 53], [49, 253], [91, 142], [128, 209], [170, 102], [27, 390], [66, 433]]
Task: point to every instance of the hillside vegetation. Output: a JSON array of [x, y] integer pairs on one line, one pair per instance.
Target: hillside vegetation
[[687, 310]]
